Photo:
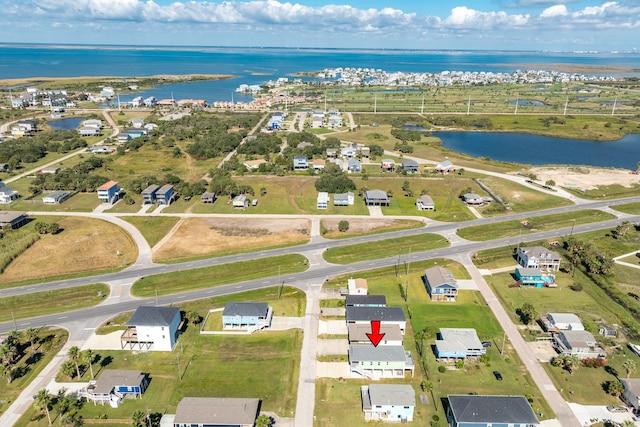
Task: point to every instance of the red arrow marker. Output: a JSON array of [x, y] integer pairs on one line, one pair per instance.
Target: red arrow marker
[[375, 336]]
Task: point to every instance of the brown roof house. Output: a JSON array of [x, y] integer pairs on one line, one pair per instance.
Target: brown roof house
[[211, 412]]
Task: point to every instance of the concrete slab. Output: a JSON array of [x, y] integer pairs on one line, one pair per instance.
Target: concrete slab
[[375, 211], [587, 413], [104, 342], [337, 311], [280, 323], [333, 370], [333, 346], [332, 327], [467, 285]]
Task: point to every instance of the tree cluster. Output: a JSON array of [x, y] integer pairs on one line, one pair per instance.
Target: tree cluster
[[334, 180], [76, 178], [31, 149]]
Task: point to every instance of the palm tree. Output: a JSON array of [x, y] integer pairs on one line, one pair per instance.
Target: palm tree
[[32, 336], [90, 357], [7, 371], [629, 366], [137, 419], [42, 401], [74, 355]]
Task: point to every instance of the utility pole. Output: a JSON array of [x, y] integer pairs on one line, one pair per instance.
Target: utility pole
[[15, 326], [504, 338], [178, 359], [156, 297], [572, 226]]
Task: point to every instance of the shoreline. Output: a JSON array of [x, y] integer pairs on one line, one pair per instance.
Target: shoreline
[[184, 78]]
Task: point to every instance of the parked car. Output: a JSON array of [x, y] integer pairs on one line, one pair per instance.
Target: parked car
[[612, 408], [498, 375], [187, 198], [486, 343], [254, 202]]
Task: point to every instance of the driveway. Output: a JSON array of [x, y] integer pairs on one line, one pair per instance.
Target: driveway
[[280, 323], [332, 346], [332, 327], [333, 370]]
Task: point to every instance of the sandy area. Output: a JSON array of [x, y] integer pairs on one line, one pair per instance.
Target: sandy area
[[203, 236], [573, 177]]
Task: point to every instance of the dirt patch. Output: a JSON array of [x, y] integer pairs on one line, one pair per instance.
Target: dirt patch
[[213, 236], [587, 178], [83, 245]]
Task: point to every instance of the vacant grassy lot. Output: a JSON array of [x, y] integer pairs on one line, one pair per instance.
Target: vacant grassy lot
[[631, 208], [363, 227], [48, 344], [205, 237], [153, 228], [58, 301], [533, 224], [606, 192], [187, 280], [83, 245], [79, 202], [384, 248], [519, 198]]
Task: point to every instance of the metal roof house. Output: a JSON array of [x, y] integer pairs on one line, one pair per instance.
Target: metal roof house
[[383, 361], [445, 167], [213, 412], [7, 194], [152, 328], [165, 194], [56, 197], [364, 315], [240, 202], [149, 194], [323, 200], [631, 395], [300, 163], [440, 284], [410, 165], [13, 220], [539, 257], [246, 315], [458, 343], [577, 343], [388, 402], [486, 411], [365, 301], [565, 322], [343, 199], [114, 385], [376, 198], [109, 192], [425, 203], [358, 334]]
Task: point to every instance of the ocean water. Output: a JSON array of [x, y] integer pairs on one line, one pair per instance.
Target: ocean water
[[256, 65]]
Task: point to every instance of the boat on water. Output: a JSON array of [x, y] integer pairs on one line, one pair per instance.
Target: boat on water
[[635, 348]]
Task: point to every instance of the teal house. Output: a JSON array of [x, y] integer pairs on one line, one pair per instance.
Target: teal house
[[533, 277]]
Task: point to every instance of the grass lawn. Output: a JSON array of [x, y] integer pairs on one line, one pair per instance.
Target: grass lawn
[[518, 197], [122, 207], [329, 229], [79, 202], [50, 341], [152, 228], [49, 302], [585, 385], [630, 208], [533, 224], [384, 248], [187, 280], [605, 192], [83, 245], [443, 191]]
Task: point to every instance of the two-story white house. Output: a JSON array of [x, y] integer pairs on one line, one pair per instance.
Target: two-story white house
[[152, 328]]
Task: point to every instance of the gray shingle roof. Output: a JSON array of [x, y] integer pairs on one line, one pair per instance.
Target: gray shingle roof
[[492, 409], [117, 377], [438, 275], [390, 314], [153, 316], [217, 411], [247, 309], [381, 353], [392, 394], [365, 299], [150, 189]]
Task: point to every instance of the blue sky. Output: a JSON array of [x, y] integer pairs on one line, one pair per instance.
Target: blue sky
[[566, 25]]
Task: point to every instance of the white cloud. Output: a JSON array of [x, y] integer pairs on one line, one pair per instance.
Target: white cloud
[[557, 10], [463, 17]]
